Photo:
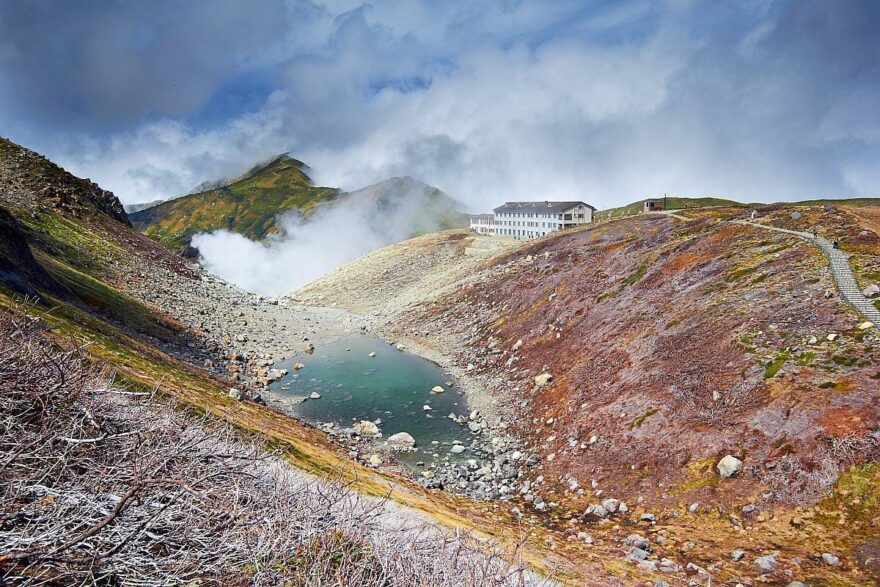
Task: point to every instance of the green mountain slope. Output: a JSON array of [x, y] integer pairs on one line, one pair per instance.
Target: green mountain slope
[[248, 205], [400, 207], [673, 203]]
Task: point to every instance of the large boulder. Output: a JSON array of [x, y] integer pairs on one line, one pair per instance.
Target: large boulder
[[401, 440], [729, 466], [366, 428], [543, 379], [637, 541], [768, 563]]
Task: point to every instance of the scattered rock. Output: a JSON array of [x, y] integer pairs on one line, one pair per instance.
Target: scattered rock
[[437, 389], [374, 460], [637, 541], [401, 440], [314, 395], [866, 325], [373, 354], [637, 554], [457, 449], [366, 428], [729, 466], [871, 290], [767, 563], [234, 394], [830, 559], [831, 337], [543, 379], [737, 555]]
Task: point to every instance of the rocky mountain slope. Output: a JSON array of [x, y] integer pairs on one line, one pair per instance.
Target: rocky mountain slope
[[637, 360], [702, 372], [124, 403], [162, 325], [254, 203]]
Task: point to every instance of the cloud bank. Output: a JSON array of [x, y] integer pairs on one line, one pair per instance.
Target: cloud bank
[[490, 101], [305, 252], [599, 100]]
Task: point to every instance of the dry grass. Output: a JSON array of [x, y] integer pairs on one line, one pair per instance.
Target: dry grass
[[106, 486]]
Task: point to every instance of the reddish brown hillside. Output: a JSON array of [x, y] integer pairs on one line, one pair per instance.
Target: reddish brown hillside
[[672, 344]]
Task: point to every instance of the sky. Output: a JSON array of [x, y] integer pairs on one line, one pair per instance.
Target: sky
[[595, 100]]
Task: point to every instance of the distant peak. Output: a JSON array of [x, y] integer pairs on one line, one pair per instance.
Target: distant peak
[[404, 180], [273, 163]]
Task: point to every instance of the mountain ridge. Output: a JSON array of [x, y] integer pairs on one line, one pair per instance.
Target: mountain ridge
[[248, 204], [254, 203]]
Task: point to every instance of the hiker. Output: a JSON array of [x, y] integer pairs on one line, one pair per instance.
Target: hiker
[[836, 244], [815, 233], [754, 214]]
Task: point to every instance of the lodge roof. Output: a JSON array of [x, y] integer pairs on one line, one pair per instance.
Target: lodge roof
[[544, 206]]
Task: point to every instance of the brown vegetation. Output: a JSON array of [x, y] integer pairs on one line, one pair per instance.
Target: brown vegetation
[[106, 486], [686, 343]]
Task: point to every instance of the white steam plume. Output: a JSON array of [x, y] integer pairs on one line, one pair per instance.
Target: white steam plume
[[306, 249]]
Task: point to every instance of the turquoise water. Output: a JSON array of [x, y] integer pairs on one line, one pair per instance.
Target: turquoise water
[[393, 386]]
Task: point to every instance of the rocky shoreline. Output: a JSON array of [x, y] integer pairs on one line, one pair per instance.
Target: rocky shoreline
[[244, 335]]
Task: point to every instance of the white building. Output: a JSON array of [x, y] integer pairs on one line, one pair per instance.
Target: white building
[[483, 223], [534, 219]]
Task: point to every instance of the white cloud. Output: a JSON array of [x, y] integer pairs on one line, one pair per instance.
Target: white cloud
[[304, 250]]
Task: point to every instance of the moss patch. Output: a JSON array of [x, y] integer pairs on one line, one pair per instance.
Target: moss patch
[[637, 423], [738, 274], [773, 367]]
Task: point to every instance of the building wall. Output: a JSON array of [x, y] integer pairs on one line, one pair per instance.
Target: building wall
[[535, 223], [483, 225]]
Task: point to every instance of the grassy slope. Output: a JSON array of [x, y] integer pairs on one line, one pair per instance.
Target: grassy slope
[[674, 203], [679, 203], [248, 206]]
